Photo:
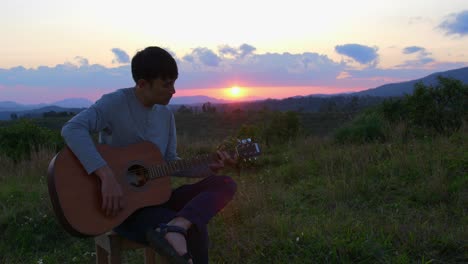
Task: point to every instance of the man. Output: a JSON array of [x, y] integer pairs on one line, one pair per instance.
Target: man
[[131, 115]]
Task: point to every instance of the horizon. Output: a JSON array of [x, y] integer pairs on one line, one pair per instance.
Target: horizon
[[228, 100], [337, 47]]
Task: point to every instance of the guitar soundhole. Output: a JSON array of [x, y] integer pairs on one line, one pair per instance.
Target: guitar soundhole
[[137, 175]]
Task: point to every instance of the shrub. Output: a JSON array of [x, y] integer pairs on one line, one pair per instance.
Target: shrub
[[366, 127], [441, 108], [393, 110], [437, 109], [282, 128], [19, 139], [248, 131]]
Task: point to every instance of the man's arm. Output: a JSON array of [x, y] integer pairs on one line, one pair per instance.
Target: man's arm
[[76, 134], [171, 149]]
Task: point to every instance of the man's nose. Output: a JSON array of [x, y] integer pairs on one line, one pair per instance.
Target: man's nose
[[172, 90]]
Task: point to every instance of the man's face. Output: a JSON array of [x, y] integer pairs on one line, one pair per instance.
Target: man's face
[[159, 91]]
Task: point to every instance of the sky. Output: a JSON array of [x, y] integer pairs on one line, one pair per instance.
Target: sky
[[56, 49]]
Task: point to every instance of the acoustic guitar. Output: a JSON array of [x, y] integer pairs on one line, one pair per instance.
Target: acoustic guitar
[[140, 169]]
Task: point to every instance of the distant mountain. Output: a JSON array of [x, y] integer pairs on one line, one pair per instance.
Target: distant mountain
[[9, 104], [66, 103], [37, 112], [319, 95], [196, 99], [14, 106], [399, 89], [73, 103]]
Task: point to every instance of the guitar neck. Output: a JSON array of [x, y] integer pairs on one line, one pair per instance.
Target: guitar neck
[[170, 167]]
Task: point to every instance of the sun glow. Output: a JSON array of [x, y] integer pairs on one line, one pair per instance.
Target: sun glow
[[235, 92]]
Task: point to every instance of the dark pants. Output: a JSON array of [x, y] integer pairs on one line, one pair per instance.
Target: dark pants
[[197, 202]]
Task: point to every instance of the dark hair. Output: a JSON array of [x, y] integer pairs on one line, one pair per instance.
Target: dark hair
[[152, 63]]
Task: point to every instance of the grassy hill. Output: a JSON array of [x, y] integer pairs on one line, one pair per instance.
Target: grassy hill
[[389, 185], [308, 200]]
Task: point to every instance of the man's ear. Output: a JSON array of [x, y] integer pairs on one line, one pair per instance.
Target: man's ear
[[142, 83]]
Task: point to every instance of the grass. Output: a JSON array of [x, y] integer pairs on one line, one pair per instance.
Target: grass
[[306, 201]]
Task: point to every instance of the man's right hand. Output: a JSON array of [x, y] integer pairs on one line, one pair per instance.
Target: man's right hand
[[111, 191]]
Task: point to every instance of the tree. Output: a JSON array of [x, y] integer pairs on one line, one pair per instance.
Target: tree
[[184, 110], [18, 140], [441, 108], [208, 108], [283, 127]]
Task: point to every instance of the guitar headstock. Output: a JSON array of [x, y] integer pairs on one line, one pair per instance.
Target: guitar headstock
[[246, 149]]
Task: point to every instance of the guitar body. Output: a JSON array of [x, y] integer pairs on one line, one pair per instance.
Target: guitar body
[[76, 196]]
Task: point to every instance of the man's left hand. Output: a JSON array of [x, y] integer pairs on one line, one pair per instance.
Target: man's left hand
[[224, 159]]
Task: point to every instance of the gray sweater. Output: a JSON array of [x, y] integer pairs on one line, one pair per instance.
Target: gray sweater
[[121, 119]]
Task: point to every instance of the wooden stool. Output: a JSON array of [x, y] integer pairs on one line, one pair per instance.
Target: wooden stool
[[109, 247]]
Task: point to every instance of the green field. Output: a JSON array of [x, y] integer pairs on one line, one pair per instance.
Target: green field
[[308, 199]]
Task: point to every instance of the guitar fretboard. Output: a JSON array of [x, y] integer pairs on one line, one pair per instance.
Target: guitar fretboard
[[171, 167]]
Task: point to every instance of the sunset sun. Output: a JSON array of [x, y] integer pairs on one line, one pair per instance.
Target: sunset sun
[[235, 92]]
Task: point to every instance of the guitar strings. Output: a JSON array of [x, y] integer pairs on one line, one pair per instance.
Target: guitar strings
[[162, 167], [202, 158]]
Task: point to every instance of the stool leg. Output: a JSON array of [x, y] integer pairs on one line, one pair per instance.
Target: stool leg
[[115, 258], [101, 255], [115, 244], [150, 257], [161, 259]]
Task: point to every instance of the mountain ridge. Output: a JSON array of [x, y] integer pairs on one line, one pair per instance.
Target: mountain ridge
[[402, 88], [387, 90]]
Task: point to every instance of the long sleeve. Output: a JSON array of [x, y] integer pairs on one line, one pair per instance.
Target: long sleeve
[[76, 132], [171, 150]]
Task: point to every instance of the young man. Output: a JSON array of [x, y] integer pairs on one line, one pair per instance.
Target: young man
[[177, 228]]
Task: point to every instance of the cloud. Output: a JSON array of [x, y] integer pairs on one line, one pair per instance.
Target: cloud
[[120, 56], [81, 61], [67, 76], [189, 58], [246, 49], [203, 68], [343, 75], [267, 69], [241, 52], [412, 49], [423, 57], [456, 24], [418, 63], [360, 53], [206, 57], [229, 51]]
